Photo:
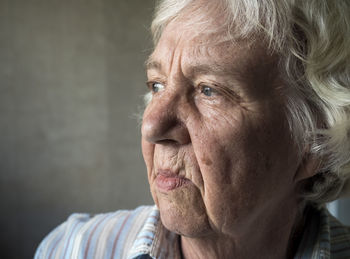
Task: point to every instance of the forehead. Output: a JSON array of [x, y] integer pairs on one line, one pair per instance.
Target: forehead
[[202, 30], [198, 51], [194, 41]]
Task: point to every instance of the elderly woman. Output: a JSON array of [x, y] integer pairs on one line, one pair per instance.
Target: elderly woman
[[246, 135]]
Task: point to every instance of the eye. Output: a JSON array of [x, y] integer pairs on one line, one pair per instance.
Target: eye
[[155, 87], [207, 91]]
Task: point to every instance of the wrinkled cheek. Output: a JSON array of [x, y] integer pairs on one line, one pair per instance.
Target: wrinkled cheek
[[224, 211], [148, 153]]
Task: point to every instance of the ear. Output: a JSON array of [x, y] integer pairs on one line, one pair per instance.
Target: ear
[[307, 168]]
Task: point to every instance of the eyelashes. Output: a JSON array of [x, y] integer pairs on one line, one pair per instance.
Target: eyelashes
[[220, 91], [207, 90], [155, 87]]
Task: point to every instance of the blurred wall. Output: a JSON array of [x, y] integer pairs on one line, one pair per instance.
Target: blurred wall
[[71, 84]]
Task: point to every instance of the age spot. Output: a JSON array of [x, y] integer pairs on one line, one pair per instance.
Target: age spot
[[207, 161]]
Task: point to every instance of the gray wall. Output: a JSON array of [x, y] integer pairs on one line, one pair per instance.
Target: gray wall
[[71, 81], [342, 210]]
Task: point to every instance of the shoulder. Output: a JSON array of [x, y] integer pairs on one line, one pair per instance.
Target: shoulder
[[324, 236], [339, 235], [339, 238], [99, 236]]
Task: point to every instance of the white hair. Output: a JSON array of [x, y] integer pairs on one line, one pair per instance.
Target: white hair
[[312, 38]]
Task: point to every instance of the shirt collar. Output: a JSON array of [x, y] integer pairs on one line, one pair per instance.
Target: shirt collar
[[155, 240], [315, 242]]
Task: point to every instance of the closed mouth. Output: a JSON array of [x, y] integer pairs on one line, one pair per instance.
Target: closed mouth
[[168, 180]]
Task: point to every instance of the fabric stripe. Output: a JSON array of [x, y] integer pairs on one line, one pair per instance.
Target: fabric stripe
[[103, 245], [46, 246], [117, 237], [81, 219], [69, 238], [98, 224], [137, 222], [55, 246], [81, 238]]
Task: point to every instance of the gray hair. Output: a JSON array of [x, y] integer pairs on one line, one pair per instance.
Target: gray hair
[[313, 40]]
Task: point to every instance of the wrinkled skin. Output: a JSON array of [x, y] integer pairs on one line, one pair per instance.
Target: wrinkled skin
[[217, 119]]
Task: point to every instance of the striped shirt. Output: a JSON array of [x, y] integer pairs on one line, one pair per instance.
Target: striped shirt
[[140, 234]]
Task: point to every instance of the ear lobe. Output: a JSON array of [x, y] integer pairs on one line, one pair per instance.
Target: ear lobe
[[308, 167]]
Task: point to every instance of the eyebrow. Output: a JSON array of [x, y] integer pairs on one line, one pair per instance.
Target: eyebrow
[[214, 69], [202, 69], [152, 64]]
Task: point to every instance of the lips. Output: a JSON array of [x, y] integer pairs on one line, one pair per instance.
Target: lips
[[167, 180]]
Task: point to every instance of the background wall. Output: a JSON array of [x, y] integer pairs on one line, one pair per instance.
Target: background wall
[[71, 81]]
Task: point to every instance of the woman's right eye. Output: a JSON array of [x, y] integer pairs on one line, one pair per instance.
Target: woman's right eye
[[155, 87]]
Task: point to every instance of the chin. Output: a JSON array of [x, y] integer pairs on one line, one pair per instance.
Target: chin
[[185, 224], [183, 212]]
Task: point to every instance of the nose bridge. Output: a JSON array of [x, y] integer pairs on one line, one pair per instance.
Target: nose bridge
[[177, 97], [178, 88], [167, 105], [176, 93], [165, 117]]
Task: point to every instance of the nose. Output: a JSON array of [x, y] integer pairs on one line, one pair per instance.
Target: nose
[[163, 122]]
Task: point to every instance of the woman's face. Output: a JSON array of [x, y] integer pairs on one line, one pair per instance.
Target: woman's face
[[214, 136]]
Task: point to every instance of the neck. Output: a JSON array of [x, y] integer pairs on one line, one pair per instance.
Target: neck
[[274, 236]]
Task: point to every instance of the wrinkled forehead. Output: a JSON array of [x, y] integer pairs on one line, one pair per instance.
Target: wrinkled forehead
[[203, 31], [194, 39], [210, 46], [189, 39]]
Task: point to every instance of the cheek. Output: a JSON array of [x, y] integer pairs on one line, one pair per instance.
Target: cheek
[[218, 146], [230, 160], [148, 153]]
